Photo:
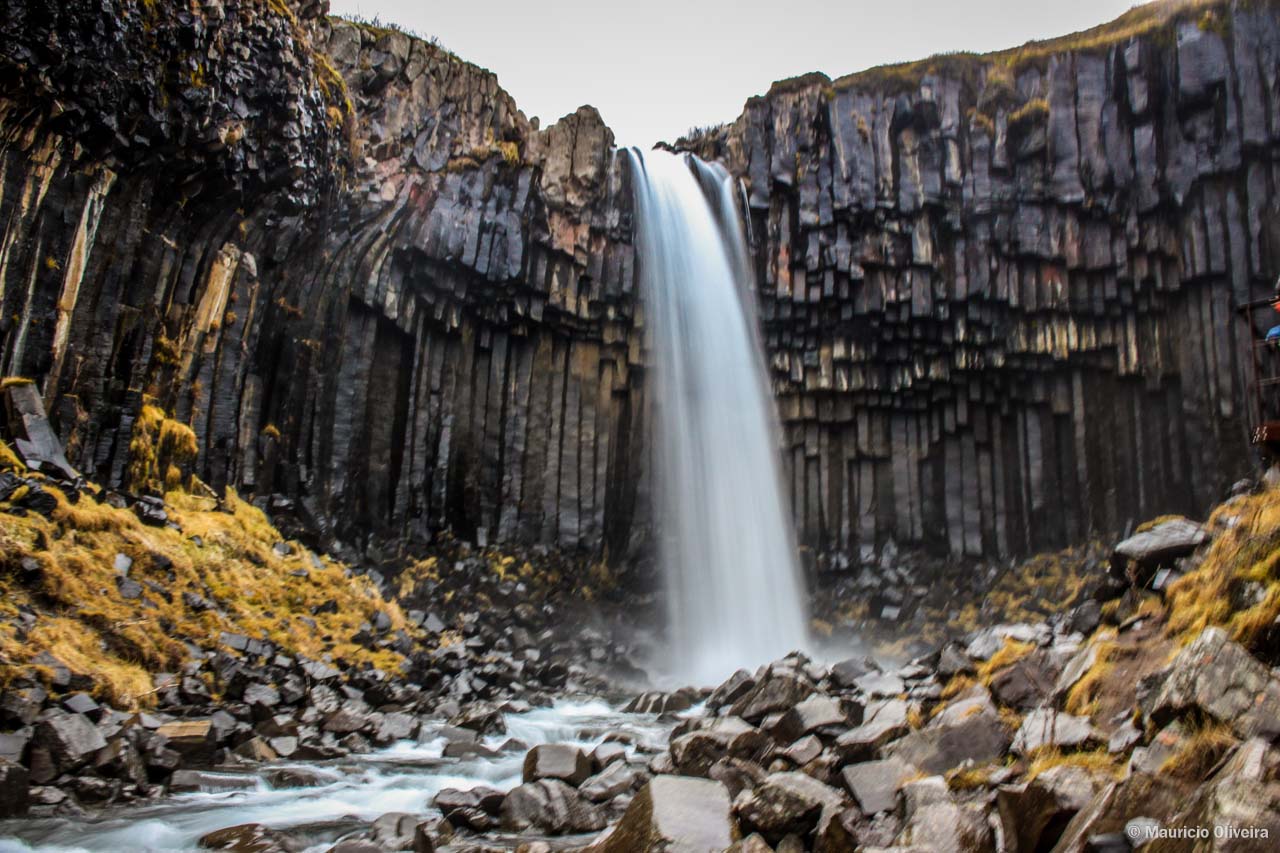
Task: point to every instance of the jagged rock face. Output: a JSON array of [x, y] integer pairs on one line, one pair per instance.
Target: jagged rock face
[[998, 298], [442, 338], [394, 299]]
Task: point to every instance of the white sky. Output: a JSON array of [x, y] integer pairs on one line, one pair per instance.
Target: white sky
[[655, 70]]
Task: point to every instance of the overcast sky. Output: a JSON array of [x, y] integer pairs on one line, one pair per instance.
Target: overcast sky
[[657, 68]]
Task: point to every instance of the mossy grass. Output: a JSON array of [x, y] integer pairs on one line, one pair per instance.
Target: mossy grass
[[221, 552], [1207, 743], [1237, 583], [1099, 762]]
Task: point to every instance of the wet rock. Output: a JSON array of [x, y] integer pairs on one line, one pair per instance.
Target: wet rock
[[787, 803], [549, 806], [557, 761], [475, 809], [614, 780], [282, 778], [607, 753], [400, 831], [481, 718], [663, 703], [674, 814], [190, 781], [249, 838]]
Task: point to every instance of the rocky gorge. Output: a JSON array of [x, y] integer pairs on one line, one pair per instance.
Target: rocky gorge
[[327, 470]]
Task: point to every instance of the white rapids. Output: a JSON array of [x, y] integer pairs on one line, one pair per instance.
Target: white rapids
[[727, 545], [358, 789]]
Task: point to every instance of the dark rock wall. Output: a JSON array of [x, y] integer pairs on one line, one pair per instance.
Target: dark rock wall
[[998, 293], [393, 299]]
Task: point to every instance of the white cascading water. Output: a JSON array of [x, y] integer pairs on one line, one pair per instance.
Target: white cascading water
[[734, 585]]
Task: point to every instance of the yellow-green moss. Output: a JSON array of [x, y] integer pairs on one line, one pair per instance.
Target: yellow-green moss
[[1244, 556]]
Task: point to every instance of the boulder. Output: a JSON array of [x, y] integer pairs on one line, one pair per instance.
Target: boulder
[[933, 821], [883, 723], [557, 761], [979, 738], [737, 774], [674, 814], [1034, 813], [191, 781], [194, 740], [1047, 727], [1244, 795], [400, 831], [1156, 797], [875, 784], [846, 673], [663, 703], [1139, 555], [549, 806], [615, 779], [1027, 683], [879, 685], [71, 739], [814, 713], [787, 803], [14, 787], [249, 838], [482, 718], [1217, 677], [474, 809], [692, 754], [773, 693]]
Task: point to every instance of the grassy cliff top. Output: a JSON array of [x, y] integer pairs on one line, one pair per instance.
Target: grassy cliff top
[[1141, 20]]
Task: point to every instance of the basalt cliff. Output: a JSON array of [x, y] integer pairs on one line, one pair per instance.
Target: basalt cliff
[[998, 292]]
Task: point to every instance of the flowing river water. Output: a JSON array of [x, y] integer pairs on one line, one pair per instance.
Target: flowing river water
[[355, 790]]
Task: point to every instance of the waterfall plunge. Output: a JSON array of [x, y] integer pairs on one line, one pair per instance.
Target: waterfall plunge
[[734, 585]]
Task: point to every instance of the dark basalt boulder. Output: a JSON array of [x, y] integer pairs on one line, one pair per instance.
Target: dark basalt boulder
[[787, 803], [250, 838], [71, 739], [557, 761], [550, 806]]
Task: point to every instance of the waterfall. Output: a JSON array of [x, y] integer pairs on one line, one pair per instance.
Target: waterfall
[[733, 583]]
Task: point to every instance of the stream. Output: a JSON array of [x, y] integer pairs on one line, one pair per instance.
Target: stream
[[405, 777]]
